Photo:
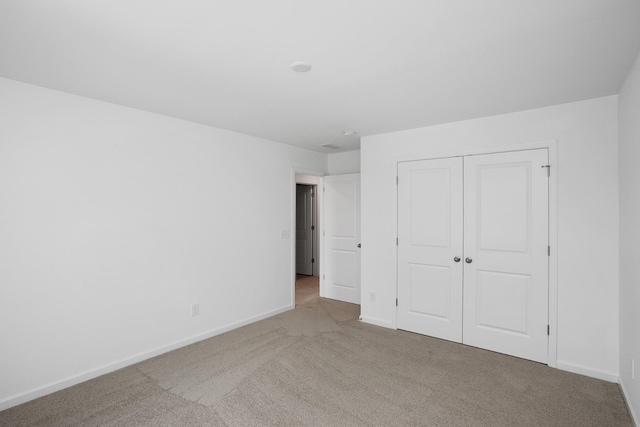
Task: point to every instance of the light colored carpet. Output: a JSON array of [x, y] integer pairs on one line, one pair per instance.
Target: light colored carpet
[[317, 365], [307, 288]]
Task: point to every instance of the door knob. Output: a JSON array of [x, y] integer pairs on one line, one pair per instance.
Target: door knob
[[468, 260], [359, 245], [456, 259]]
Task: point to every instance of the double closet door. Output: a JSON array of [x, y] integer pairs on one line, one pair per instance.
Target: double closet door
[[473, 250]]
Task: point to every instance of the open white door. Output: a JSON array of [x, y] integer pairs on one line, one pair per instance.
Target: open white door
[[341, 259]]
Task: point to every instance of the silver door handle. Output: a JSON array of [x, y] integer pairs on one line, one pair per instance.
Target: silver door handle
[[456, 259], [468, 260]]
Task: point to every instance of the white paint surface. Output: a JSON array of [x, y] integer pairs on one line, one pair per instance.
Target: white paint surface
[[629, 121], [503, 253], [587, 203], [377, 66], [343, 163], [506, 269], [114, 221], [430, 239], [341, 264]]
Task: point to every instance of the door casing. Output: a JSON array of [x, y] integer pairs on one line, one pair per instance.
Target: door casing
[[311, 177]]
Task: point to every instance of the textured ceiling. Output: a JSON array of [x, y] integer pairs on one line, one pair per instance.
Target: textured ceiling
[[378, 66]]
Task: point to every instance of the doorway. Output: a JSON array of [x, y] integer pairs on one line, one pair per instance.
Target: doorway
[[306, 238], [306, 245]]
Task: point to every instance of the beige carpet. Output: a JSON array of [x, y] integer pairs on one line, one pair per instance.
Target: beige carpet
[[317, 365], [307, 288]]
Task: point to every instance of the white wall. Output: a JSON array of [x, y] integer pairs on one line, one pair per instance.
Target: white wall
[[343, 163], [629, 121], [113, 221], [586, 134]]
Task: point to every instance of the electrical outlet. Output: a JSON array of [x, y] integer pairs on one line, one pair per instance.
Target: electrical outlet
[[633, 369], [372, 296], [195, 309]]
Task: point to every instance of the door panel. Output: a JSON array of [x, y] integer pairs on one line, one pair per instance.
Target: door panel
[[503, 192], [493, 289], [506, 238], [344, 268], [429, 216], [429, 237], [342, 236], [304, 230], [429, 290]]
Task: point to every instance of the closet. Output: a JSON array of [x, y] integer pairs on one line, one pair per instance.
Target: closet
[[473, 250]]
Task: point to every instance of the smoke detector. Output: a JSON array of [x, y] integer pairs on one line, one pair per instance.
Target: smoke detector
[[349, 133], [300, 67]]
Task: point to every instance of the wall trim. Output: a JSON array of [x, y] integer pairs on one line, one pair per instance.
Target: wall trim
[[586, 371], [54, 386], [377, 322], [552, 146], [627, 401]]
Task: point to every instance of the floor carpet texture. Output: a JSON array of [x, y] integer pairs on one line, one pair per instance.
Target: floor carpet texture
[[318, 365]]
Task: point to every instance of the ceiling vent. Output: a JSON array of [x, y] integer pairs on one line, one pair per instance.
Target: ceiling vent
[[331, 146]]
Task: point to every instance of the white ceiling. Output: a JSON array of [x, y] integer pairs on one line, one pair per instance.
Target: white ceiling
[[378, 66]]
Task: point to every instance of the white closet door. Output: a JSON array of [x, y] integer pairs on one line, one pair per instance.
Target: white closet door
[[505, 249], [429, 241], [342, 237]]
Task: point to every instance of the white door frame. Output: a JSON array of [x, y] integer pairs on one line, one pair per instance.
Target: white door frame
[[552, 146], [310, 177]]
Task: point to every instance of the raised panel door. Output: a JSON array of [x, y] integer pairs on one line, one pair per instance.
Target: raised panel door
[[342, 237], [429, 241], [506, 241]]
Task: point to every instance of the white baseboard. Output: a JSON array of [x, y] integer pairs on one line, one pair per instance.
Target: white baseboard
[[634, 415], [589, 372], [378, 322], [54, 386]]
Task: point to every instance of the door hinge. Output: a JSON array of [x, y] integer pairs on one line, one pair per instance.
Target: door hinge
[[396, 241], [323, 277], [313, 260], [313, 227], [548, 250], [548, 169], [312, 194], [396, 302], [397, 181], [324, 189], [323, 233], [548, 329]]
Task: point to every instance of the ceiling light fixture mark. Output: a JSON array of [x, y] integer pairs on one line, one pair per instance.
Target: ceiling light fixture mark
[[300, 67]]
